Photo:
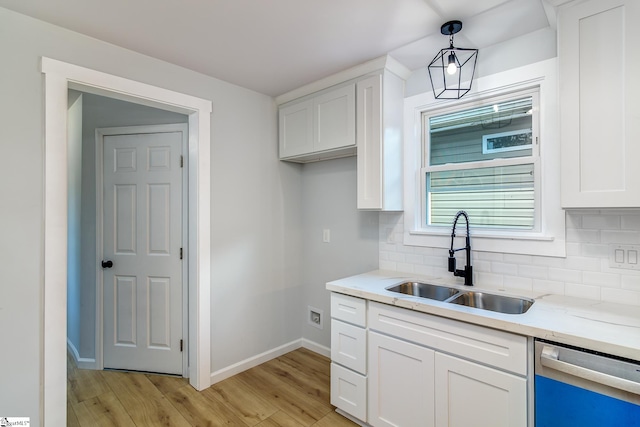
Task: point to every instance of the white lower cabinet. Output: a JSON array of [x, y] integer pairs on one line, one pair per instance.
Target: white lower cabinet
[[425, 370], [470, 394], [349, 355], [349, 391], [400, 383]]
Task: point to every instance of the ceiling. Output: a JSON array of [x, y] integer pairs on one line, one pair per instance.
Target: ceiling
[[274, 46]]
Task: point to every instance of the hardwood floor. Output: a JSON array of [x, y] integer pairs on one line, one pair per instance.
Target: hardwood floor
[[289, 391]]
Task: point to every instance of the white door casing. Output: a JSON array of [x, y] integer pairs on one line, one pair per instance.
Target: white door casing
[[142, 237], [59, 77]]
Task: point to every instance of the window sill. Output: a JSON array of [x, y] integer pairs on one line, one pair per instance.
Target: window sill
[[534, 244]]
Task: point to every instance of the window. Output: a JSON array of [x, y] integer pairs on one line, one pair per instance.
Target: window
[[496, 154], [483, 158]]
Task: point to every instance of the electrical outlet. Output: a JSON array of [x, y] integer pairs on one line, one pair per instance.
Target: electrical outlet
[[315, 317], [624, 256]]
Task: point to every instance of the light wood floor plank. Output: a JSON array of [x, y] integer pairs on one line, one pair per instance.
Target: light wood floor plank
[[200, 411], [240, 398], [333, 419], [143, 401], [107, 411], [300, 406], [280, 419], [307, 383]]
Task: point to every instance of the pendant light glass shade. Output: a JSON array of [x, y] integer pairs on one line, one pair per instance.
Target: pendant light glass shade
[[451, 70]]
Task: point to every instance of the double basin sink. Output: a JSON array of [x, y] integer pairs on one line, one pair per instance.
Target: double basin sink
[[498, 303]]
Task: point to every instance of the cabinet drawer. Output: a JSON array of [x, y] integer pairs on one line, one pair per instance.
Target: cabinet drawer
[[349, 346], [489, 346], [349, 309], [349, 391]]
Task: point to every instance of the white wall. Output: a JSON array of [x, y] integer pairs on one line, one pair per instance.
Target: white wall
[[329, 202], [255, 205], [514, 53], [99, 112]]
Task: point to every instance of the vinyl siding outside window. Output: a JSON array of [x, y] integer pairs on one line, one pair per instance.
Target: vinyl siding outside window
[[483, 158]]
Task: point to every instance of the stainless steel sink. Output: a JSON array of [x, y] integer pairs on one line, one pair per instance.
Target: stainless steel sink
[[492, 302], [424, 290]]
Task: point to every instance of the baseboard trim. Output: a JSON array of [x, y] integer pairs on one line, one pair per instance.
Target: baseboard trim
[[81, 362], [316, 348], [236, 368]]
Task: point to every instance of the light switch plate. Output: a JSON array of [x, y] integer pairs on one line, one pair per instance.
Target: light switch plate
[[624, 256]]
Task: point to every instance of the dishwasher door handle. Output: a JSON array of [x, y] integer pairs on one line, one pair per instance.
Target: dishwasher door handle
[[549, 358]]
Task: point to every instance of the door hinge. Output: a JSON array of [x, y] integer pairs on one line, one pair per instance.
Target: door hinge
[[180, 253], [181, 161], [181, 344]]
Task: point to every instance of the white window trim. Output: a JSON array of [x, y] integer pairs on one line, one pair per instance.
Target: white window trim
[[549, 240]]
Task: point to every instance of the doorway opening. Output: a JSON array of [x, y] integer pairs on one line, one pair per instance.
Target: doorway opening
[[59, 78]]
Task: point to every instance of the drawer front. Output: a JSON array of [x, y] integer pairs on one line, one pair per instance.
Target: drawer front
[[349, 346], [349, 309], [501, 349], [349, 391]]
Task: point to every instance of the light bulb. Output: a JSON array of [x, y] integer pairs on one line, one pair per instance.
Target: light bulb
[[451, 68]]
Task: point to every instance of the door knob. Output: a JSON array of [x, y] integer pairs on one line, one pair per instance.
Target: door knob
[[107, 264]]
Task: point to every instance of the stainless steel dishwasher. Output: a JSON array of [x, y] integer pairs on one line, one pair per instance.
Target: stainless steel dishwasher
[[578, 387]]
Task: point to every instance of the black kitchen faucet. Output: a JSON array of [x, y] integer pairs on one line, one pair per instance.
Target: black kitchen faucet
[[467, 273]]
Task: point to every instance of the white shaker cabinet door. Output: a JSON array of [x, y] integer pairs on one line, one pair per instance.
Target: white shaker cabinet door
[[296, 129], [401, 381], [469, 394], [599, 63], [335, 119]]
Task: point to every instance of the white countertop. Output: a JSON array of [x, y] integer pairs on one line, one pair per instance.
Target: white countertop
[[596, 325]]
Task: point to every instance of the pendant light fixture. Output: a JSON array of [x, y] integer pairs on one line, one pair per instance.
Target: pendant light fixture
[[451, 71]]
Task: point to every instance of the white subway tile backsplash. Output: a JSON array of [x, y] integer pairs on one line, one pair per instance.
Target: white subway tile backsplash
[[414, 258], [548, 286], [517, 282], [489, 256], [628, 237], [585, 271], [518, 259], [583, 236], [484, 266], [582, 291], [504, 268], [533, 271], [630, 222], [601, 222], [631, 283], [573, 249], [582, 263], [565, 275], [605, 280], [620, 296], [594, 250]]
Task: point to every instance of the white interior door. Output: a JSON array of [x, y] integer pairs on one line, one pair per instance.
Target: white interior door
[[142, 238]]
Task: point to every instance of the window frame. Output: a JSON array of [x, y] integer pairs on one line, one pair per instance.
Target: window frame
[[549, 238], [534, 158]]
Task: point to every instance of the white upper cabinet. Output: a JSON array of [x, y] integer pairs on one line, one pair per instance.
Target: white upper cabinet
[[320, 126], [600, 114], [379, 106], [296, 129]]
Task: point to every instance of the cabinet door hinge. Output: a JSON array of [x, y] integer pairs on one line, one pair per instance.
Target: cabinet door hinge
[[180, 253], [181, 344], [181, 161]]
